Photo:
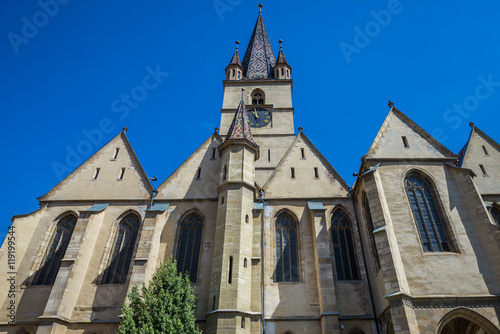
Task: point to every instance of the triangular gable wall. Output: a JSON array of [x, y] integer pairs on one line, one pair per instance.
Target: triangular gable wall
[[475, 155], [184, 182], [81, 184], [389, 144], [305, 184]]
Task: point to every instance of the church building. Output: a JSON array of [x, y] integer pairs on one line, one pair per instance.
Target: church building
[[273, 239]]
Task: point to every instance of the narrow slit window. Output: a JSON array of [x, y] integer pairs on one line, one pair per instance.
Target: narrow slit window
[[198, 174], [292, 172], [246, 219], [213, 304], [242, 322], [214, 150], [122, 172], [302, 153], [230, 275], [222, 200], [405, 141], [96, 174], [316, 172], [268, 155], [224, 173], [485, 150], [245, 263], [115, 155], [483, 170]]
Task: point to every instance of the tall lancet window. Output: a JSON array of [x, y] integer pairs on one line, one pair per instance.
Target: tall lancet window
[[55, 253], [429, 221], [188, 249], [123, 248], [286, 249], [343, 247], [257, 97]]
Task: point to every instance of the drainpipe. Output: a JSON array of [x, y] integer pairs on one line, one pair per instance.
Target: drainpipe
[[364, 262], [263, 259]]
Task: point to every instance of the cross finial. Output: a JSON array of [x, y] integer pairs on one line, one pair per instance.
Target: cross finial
[[216, 130], [281, 44], [237, 43], [260, 8], [390, 104], [300, 129], [242, 91], [471, 125], [125, 129]]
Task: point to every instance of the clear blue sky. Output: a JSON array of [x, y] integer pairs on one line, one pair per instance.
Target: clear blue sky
[[61, 74]]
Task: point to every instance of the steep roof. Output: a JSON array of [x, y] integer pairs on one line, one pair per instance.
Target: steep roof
[[240, 127], [259, 59], [317, 177], [112, 173], [401, 138]]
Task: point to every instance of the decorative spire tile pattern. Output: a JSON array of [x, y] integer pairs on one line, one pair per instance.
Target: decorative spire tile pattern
[[240, 127], [259, 57]]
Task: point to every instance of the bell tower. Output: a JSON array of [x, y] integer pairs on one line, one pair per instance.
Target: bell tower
[[267, 85]]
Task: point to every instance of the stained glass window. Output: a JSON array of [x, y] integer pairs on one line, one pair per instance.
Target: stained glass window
[[55, 253], [371, 237], [343, 247], [121, 255], [426, 213], [188, 249], [286, 249]]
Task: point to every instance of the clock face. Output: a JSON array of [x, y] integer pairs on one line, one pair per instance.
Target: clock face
[[259, 117]]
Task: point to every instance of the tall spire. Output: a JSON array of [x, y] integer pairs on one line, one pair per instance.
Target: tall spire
[[240, 127], [259, 57]]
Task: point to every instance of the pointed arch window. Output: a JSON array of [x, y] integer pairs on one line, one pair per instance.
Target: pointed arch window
[[495, 213], [429, 221], [121, 255], [55, 253], [188, 249], [258, 97], [343, 247], [371, 237], [286, 249]]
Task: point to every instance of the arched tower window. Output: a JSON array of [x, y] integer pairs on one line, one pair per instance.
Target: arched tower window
[[286, 249], [123, 248], [495, 213], [55, 253], [257, 97], [426, 213], [188, 249], [370, 227], [343, 247]]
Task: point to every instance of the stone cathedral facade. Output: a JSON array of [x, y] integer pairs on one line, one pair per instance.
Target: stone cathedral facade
[[273, 239]]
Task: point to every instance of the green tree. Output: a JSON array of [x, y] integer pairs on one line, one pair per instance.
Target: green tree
[[167, 305]]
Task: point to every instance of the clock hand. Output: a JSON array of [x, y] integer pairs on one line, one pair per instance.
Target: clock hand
[[254, 112]]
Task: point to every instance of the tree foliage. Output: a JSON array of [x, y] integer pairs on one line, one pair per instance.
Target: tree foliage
[[167, 305]]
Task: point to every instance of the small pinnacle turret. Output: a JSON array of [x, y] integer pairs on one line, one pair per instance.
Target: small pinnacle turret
[[282, 70], [234, 71]]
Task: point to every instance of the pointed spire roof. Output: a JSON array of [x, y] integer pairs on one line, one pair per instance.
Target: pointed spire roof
[[240, 127], [281, 55], [259, 57], [236, 56]]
